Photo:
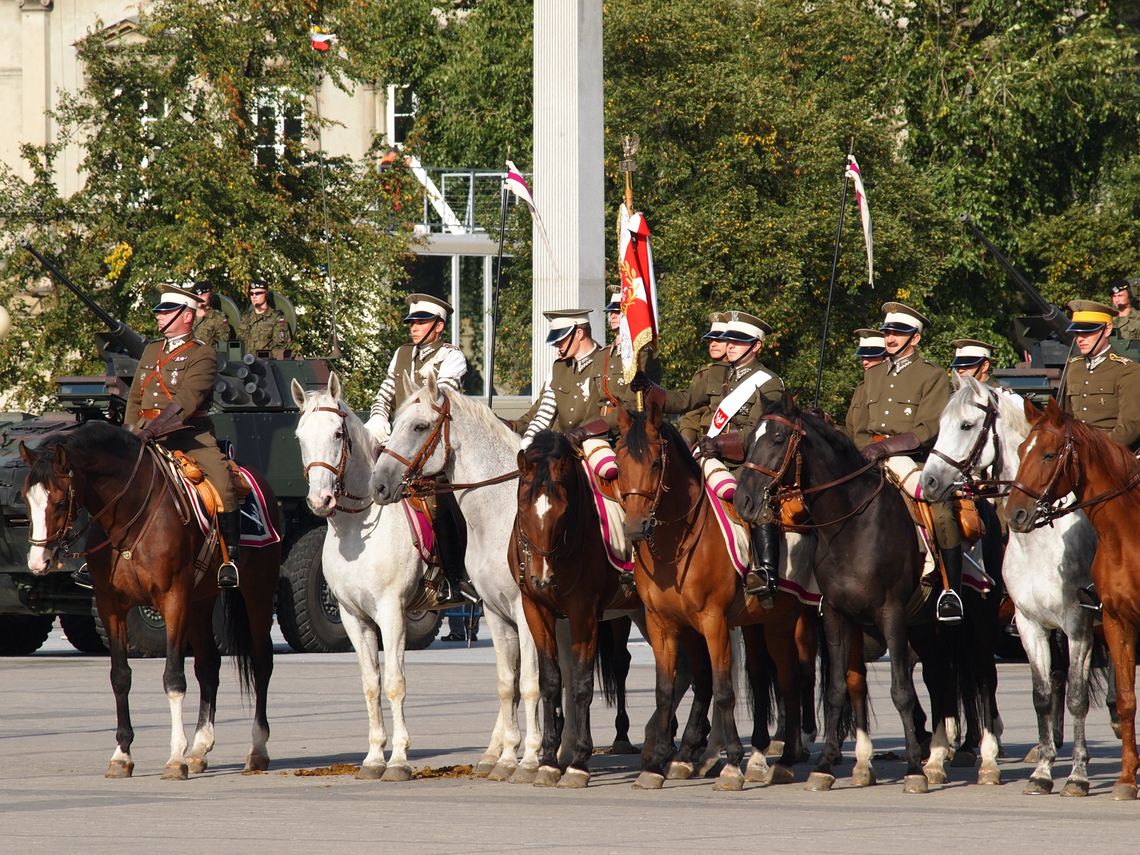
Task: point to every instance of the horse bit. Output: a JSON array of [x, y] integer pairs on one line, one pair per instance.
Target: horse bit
[[341, 466]]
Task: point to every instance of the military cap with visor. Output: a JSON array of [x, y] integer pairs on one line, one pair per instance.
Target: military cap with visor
[[614, 305], [427, 307], [1089, 316], [743, 327], [717, 323], [901, 318], [175, 297], [563, 322], [872, 345], [969, 352]]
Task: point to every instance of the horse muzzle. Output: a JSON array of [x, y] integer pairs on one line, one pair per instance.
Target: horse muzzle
[[934, 489], [322, 504], [638, 530], [753, 510], [1023, 518], [383, 491]]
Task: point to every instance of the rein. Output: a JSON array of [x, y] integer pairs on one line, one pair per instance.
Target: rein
[[413, 472], [341, 466], [981, 486]]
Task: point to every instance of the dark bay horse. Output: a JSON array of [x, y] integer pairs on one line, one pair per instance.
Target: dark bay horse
[[1061, 455], [869, 578], [692, 597], [147, 558], [560, 564]]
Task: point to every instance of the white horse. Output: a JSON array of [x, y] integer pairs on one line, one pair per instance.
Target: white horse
[[370, 561], [979, 433], [440, 432]]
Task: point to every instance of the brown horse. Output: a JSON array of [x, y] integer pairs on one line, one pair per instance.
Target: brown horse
[[561, 567], [692, 596], [146, 558], [1061, 455]]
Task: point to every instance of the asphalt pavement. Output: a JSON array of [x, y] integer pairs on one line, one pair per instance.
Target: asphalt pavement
[[57, 734]]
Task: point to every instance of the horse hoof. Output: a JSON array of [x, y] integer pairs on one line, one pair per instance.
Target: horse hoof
[[1075, 787], [484, 768], [916, 784], [175, 771], [119, 769], [547, 776], [863, 776], [756, 774], [679, 771], [1038, 787], [729, 782], [257, 762], [780, 774], [371, 772], [819, 782], [524, 775], [649, 781], [1123, 792], [196, 765], [574, 779], [502, 772], [990, 775], [935, 774], [1034, 755], [624, 746], [964, 759], [1116, 728], [775, 748], [707, 766], [397, 774]]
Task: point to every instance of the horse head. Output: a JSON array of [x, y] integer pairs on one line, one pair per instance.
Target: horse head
[[330, 435], [772, 448], [1049, 469], [419, 446], [548, 473], [968, 442], [641, 452], [49, 493]]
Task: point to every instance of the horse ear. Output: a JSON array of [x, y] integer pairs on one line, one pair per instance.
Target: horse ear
[[298, 394], [1053, 412], [409, 386], [334, 385], [26, 454], [655, 407], [432, 386], [60, 462], [1032, 412], [524, 464], [623, 418]]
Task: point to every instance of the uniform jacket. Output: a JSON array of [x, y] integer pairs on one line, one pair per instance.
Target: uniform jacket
[[1106, 396], [444, 359], [705, 394], [186, 374], [711, 378], [267, 331], [1127, 327], [212, 327], [900, 396]]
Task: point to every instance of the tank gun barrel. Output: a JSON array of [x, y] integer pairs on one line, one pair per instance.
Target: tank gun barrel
[[1050, 314], [118, 332]]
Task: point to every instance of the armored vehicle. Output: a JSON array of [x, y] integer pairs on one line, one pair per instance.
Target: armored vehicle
[[253, 409]]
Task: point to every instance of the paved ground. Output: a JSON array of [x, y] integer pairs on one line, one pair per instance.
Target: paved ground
[[56, 735]]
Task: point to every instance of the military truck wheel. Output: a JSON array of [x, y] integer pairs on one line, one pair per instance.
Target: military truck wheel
[[23, 635], [307, 611], [146, 632], [82, 633], [422, 629]]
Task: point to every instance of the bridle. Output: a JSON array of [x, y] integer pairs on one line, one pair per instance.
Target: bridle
[[965, 466], [339, 469], [655, 497], [412, 480]]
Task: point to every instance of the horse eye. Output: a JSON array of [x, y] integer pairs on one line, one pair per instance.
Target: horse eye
[[1049, 455], [966, 426], [420, 427]]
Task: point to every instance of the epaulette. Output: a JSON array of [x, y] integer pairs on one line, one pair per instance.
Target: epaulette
[[1116, 357], [1076, 359]]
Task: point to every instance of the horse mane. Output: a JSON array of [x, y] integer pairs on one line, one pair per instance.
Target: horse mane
[[88, 441], [356, 430], [838, 443], [637, 441], [1114, 454], [547, 446], [485, 420], [961, 405]]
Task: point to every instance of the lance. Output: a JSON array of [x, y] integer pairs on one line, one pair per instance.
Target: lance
[[831, 284], [495, 292]]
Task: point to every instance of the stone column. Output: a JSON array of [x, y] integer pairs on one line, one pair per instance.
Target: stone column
[[35, 72], [568, 178]]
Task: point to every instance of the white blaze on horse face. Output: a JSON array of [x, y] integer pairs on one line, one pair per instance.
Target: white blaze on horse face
[[37, 519], [542, 507]]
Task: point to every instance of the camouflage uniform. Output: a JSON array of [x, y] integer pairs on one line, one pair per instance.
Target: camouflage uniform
[[1127, 326], [267, 331], [212, 327]]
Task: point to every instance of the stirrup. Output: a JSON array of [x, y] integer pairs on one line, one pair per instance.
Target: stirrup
[[949, 608], [82, 578], [760, 587], [1087, 598], [228, 575]]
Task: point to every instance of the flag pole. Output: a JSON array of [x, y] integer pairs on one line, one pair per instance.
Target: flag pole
[[334, 340], [630, 143], [831, 284], [495, 294]]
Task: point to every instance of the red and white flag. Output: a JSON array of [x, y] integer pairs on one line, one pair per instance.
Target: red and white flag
[[320, 38], [638, 327], [864, 213], [517, 185]]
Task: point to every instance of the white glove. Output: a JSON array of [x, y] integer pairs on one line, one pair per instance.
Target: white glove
[[379, 428]]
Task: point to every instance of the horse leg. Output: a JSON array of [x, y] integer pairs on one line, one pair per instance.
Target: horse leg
[[984, 644], [1121, 638], [543, 628], [207, 668], [714, 628], [617, 656], [583, 622], [564, 645], [759, 669], [393, 629], [174, 682], [1035, 640], [114, 622], [941, 663], [362, 633], [658, 748], [1080, 661], [807, 649], [259, 595], [527, 690], [693, 738], [862, 773], [838, 631], [784, 649], [903, 695], [502, 752]]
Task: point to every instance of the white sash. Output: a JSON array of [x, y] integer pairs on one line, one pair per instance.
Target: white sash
[[736, 399]]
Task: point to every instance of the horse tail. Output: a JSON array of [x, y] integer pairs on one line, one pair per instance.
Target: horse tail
[[612, 660], [237, 636]]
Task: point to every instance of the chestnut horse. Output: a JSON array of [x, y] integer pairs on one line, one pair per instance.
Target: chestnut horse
[[146, 558], [1062, 455], [692, 596]]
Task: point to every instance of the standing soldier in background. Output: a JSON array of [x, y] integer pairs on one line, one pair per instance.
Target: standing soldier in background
[[211, 325], [263, 328], [871, 350], [1126, 324]]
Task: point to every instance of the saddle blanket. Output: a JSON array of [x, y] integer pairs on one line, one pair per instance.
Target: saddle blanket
[[796, 576], [423, 535], [907, 473], [256, 524], [611, 518]]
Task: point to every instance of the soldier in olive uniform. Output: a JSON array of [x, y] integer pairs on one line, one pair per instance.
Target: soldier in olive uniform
[[613, 370], [1126, 324], [871, 351], [172, 389], [975, 358], [428, 353], [264, 328], [712, 376], [729, 413], [1101, 387], [211, 325], [903, 400]]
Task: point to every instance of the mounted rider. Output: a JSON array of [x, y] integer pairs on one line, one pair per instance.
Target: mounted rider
[[712, 376], [898, 422], [729, 413], [870, 351], [1100, 387], [975, 358], [428, 353]]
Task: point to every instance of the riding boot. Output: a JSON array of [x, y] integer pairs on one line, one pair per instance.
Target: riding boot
[[762, 575], [82, 577], [451, 547], [229, 527], [1087, 597], [949, 608]]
